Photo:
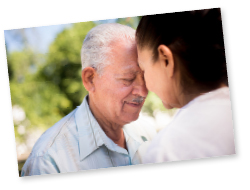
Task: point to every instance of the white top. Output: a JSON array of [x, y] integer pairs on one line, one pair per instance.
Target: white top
[[202, 128], [77, 142]]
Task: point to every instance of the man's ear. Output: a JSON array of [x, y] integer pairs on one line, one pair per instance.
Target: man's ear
[[88, 75], [166, 59]]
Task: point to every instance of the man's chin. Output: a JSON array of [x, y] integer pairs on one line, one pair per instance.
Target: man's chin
[[130, 118]]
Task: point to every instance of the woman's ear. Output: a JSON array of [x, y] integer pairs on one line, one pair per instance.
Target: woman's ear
[[88, 75], [166, 59]]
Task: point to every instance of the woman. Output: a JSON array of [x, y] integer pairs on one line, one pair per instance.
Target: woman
[[183, 59]]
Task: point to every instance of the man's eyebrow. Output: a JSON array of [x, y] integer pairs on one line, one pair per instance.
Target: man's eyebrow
[[128, 73]]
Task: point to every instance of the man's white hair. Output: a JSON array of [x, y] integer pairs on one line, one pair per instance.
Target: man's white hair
[[96, 50]]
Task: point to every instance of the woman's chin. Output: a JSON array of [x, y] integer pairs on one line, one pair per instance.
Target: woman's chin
[[167, 106]]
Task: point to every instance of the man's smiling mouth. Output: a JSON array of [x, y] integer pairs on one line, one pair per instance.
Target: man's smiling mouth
[[133, 104]]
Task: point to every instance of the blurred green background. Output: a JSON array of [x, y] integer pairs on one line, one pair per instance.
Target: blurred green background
[[46, 85]]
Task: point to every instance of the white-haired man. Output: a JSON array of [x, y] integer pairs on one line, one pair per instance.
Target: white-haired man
[[93, 135]]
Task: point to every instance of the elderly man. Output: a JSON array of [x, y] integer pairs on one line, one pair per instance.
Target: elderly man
[[93, 135]]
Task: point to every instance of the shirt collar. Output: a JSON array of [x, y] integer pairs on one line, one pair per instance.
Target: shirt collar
[[132, 144], [91, 136]]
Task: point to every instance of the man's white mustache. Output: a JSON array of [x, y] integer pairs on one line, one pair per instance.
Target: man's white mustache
[[138, 99]]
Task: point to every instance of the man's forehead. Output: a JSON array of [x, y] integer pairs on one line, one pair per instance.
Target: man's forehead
[[129, 69]]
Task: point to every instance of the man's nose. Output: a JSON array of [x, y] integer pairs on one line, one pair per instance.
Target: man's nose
[[140, 87]]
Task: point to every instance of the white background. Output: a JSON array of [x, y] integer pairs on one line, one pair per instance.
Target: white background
[[230, 172]]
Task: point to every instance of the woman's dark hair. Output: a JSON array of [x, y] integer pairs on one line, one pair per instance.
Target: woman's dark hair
[[196, 41]]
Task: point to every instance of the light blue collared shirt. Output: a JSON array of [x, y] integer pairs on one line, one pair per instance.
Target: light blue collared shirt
[[77, 142]]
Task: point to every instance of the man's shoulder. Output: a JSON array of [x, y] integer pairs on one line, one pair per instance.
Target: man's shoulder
[[52, 136], [56, 150]]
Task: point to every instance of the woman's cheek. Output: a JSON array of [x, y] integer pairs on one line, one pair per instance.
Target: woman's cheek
[[148, 81]]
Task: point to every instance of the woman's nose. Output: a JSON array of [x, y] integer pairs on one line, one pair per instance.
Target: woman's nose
[[140, 87]]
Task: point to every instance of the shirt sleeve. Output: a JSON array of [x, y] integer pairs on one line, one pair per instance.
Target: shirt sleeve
[[39, 165]]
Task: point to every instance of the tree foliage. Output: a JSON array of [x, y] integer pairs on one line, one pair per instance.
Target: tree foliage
[[63, 65], [47, 87]]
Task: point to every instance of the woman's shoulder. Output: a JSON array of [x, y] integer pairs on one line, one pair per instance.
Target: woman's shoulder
[[202, 129], [211, 106]]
